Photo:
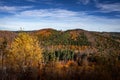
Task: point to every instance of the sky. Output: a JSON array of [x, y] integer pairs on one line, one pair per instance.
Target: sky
[[91, 15]]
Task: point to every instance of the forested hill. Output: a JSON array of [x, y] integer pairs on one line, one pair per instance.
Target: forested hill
[[77, 40], [65, 55]]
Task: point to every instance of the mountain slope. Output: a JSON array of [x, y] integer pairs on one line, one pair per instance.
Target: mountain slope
[[77, 40]]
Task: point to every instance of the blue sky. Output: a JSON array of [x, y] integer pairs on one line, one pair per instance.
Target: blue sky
[[92, 15]]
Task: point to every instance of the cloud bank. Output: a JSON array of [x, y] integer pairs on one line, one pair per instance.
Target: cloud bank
[[31, 18], [58, 19], [109, 7]]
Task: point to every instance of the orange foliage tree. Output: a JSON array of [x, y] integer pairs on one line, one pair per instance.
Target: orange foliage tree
[[25, 51]]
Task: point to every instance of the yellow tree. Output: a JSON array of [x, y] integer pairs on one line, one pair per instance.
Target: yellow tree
[[25, 51]]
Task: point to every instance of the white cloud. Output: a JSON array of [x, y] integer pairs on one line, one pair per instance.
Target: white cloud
[[48, 2], [31, 0], [58, 19], [6, 8], [13, 9], [109, 7], [48, 13], [85, 2]]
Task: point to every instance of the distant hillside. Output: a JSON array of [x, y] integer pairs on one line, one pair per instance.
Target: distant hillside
[[77, 40]]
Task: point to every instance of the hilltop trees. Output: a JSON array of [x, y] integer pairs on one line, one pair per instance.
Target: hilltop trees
[[25, 51]]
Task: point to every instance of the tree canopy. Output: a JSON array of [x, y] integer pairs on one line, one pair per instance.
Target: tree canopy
[[25, 51]]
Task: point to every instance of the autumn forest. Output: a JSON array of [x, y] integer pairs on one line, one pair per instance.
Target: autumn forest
[[50, 54]]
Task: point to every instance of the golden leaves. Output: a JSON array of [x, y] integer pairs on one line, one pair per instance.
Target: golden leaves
[[26, 49]]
